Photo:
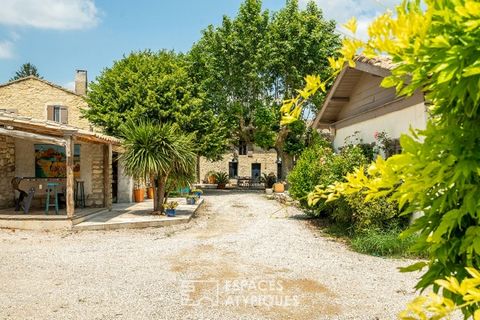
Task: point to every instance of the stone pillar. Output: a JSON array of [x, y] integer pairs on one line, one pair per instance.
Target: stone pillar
[[7, 171], [107, 177]]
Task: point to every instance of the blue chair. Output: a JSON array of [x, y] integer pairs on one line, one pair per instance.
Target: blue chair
[[52, 188]]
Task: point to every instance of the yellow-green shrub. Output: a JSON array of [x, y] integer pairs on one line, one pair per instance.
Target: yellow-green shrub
[[435, 48]]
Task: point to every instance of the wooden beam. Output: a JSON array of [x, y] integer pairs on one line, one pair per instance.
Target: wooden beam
[[70, 185], [107, 177], [389, 107], [32, 136], [330, 94], [340, 99], [375, 70]]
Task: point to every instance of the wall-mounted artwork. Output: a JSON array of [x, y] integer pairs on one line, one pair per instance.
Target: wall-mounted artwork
[[50, 161]]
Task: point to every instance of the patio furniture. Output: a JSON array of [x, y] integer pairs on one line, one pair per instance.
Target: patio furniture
[[30, 188], [52, 187], [244, 182], [79, 194]]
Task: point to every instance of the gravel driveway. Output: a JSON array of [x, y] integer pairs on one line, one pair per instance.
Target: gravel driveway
[[242, 257]]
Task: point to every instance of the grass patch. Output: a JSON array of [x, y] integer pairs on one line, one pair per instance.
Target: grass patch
[[385, 243]]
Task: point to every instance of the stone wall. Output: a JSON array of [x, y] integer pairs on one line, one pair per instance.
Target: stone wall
[[95, 198], [7, 171], [30, 97], [266, 159]]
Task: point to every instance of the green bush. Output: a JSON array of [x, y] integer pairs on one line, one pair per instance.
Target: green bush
[[384, 243], [319, 165], [308, 172], [357, 215]]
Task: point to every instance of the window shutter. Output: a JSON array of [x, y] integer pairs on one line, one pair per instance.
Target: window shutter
[[64, 115], [50, 113]]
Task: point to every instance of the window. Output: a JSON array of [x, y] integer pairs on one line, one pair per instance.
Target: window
[[57, 114], [233, 170], [242, 148]]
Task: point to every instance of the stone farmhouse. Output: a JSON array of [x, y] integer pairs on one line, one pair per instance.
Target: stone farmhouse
[[357, 103], [244, 161], [45, 140]]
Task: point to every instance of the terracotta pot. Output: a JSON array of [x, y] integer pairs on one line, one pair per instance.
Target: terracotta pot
[[139, 195], [211, 180], [150, 193], [221, 186], [278, 187]]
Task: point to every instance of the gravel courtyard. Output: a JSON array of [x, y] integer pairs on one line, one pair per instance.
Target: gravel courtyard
[[242, 257]]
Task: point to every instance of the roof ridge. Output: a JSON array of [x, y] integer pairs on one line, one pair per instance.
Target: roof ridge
[[32, 77]]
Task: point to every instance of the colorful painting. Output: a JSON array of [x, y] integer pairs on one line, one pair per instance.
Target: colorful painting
[[50, 161]]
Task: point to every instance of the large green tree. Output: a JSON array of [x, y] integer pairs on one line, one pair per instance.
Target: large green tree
[[156, 86], [26, 69], [249, 64]]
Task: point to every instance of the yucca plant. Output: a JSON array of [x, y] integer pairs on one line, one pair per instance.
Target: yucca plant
[[158, 152], [222, 179]]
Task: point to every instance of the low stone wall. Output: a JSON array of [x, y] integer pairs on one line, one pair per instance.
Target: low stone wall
[[7, 171]]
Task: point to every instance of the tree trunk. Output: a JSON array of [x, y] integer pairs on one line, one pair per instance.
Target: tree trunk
[[287, 163], [161, 193], [198, 169], [155, 193]]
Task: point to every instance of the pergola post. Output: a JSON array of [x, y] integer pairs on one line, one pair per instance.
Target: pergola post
[[70, 185], [107, 177]]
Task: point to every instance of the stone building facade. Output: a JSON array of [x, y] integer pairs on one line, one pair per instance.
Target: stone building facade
[[41, 100], [34, 97], [255, 161]]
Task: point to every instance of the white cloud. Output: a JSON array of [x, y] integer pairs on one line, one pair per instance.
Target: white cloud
[[49, 14], [363, 10], [6, 50]]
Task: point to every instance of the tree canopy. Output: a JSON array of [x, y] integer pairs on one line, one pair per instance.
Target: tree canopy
[[249, 64], [27, 69], [156, 86]]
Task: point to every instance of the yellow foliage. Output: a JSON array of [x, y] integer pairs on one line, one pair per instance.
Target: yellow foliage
[[435, 306]]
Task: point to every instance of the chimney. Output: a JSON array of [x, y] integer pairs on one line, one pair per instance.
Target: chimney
[[81, 82]]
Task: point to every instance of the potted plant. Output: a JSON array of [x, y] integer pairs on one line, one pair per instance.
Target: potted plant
[[197, 192], [222, 179], [211, 177], [268, 181], [139, 191], [191, 199], [279, 187], [170, 208], [150, 190]]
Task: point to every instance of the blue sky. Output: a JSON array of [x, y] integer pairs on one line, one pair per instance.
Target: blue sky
[[60, 36]]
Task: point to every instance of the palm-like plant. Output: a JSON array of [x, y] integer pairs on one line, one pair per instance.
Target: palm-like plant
[[156, 151]]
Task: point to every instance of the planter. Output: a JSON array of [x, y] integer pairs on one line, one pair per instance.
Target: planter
[[191, 201], [198, 194], [278, 188], [221, 186], [139, 194], [170, 212], [150, 193], [211, 180], [269, 191]]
